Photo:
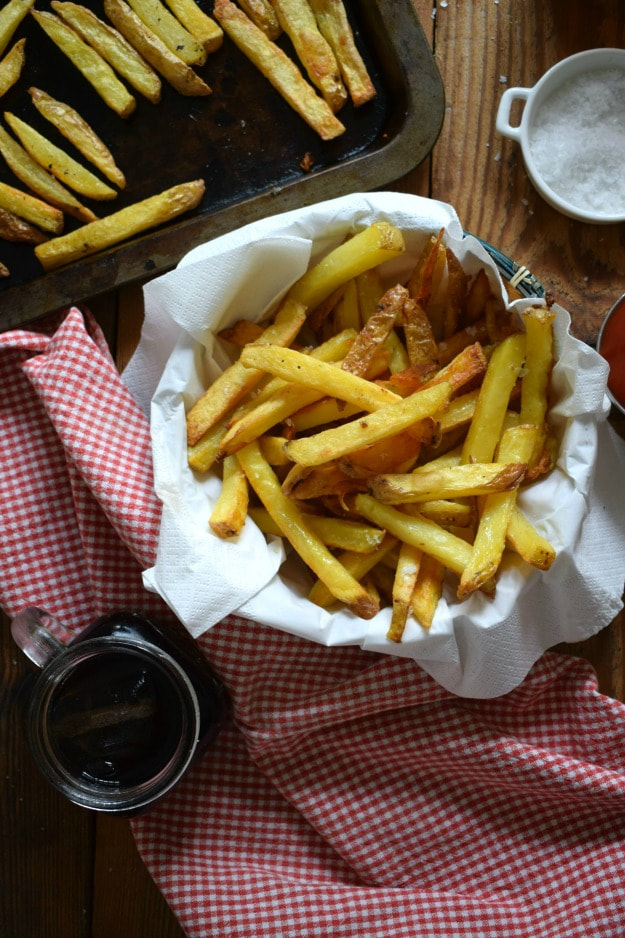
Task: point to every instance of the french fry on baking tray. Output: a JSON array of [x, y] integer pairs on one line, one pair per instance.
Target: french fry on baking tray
[[198, 23], [279, 69], [11, 15], [335, 27], [89, 63], [263, 14], [27, 206], [314, 52], [430, 456], [11, 66], [76, 129], [113, 47], [56, 161], [179, 75], [16, 229], [32, 174], [121, 225], [170, 30]]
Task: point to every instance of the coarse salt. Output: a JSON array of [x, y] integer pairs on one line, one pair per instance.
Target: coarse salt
[[577, 141]]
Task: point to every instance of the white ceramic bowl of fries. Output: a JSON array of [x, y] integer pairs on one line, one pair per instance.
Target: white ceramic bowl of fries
[[479, 643]]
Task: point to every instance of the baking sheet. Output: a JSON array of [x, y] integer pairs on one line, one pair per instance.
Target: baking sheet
[[244, 140]]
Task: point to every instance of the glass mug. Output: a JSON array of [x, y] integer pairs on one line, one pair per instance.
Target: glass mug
[[119, 712]]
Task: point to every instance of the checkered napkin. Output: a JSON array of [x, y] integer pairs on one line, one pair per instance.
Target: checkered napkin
[[350, 795]]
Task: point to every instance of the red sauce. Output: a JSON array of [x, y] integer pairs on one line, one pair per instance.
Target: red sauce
[[612, 348]]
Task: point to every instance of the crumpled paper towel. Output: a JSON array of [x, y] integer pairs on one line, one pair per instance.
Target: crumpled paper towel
[[477, 648]]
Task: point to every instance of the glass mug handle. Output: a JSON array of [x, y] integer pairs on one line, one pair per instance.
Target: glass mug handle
[[40, 636]]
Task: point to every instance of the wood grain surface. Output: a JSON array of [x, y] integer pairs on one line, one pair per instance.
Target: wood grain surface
[[65, 873]]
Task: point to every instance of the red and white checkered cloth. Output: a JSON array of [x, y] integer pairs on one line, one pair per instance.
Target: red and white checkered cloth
[[351, 795]]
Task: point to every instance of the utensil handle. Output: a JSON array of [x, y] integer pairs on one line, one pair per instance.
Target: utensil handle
[[502, 122], [33, 631]]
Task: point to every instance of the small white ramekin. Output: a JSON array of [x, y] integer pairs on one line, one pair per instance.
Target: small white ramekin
[[534, 98]]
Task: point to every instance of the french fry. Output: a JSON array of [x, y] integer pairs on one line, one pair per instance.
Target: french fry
[[11, 15], [89, 63], [502, 372], [375, 331], [170, 30], [75, 129], [39, 180], [447, 513], [424, 483], [237, 380], [150, 47], [537, 373], [335, 27], [406, 573], [522, 537], [314, 52], [478, 294], [384, 422], [31, 209], [198, 23], [279, 69], [11, 66], [456, 294], [347, 310], [428, 590], [230, 510], [113, 47], [56, 161], [263, 14], [429, 537], [16, 229], [516, 444], [368, 248], [357, 564], [121, 225], [338, 533], [308, 545]]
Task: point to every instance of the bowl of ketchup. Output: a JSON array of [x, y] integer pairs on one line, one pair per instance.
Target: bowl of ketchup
[[611, 346]]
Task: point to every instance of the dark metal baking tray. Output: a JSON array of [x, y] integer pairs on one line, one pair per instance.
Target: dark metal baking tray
[[243, 140]]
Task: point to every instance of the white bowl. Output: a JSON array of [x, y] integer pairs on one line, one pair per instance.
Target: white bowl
[[571, 139]]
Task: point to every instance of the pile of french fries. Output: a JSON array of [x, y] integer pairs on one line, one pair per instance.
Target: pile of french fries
[[140, 44], [384, 431]]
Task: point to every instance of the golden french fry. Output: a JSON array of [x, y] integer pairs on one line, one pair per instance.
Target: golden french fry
[[338, 533], [424, 483], [307, 482], [56, 161], [263, 14], [198, 23], [357, 564], [150, 47], [75, 129], [39, 180], [375, 331], [113, 47], [537, 372], [272, 448], [478, 293], [121, 225], [516, 444], [406, 573], [170, 31], [502, 372], [523, 538], [230, 510], [447, 513], [456, 294], [89, 63], [308, 545], [385, 422], [368, 248], [321, 376], [429, 537], [335, 27], [237, 380], [388, 454], [428, 590], [347, 311], [16, 229], [420, 345], [241, 333], [279, 69], [11, 66], [11, 15], [34, 210], [323, 410], [314, 52], [203, 454]]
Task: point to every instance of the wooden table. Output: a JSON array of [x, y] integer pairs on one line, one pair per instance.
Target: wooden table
[[69, 874]]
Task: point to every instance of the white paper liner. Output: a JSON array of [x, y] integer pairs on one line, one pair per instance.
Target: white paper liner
[[476, 648]]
